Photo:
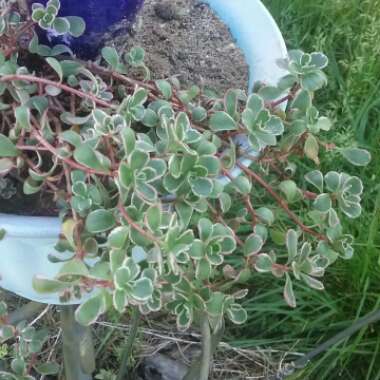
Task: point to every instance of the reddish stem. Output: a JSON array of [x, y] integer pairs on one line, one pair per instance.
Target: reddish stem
[[282, 203], [68, 161], [135, 226], [47, 82]]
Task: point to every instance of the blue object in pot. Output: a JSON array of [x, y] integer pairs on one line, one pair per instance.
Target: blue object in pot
[[99, 16]]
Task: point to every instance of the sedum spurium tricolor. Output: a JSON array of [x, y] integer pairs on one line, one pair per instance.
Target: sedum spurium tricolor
[[138, 170]]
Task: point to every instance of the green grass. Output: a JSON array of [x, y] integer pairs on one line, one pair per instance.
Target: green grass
[[348, 31]]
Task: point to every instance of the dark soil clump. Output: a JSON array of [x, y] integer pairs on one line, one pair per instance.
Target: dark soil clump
[[40, 204], [184, 38]]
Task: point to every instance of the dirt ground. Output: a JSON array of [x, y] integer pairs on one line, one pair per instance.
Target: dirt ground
[[186, 39]]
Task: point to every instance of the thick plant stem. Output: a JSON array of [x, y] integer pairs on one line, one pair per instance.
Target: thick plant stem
[[78, 349], [200, 369], [127, 351], [207, 351]]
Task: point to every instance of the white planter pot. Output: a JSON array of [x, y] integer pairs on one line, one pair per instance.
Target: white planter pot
[[28, 240]]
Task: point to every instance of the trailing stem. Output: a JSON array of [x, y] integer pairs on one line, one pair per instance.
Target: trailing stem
[[127, 351], [280, 201]]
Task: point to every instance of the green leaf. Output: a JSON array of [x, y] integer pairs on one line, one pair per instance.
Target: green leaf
[[313, 81], [165, 88], [150, 118], [89, 157], [197, 250], [255, 104], [48, 368], [289, 292], [242, 184], [117, 257], [198, 114], [312, 282], [231, 102], [122, 277], [70, 67], [6, 332], [302, 101], [7, 148], [263, 263], [129, 140], [61, 25], [225, 202], [153, 218], [266, 215], [111, 56], [215, 305], [311, 148], [290, 189], [139, 255], [18, 366], [319, 60], [184, 212], [203, 270], [72, 138], [77, 25], [30, 186], [237, 314], [184, 318], [136, 56], [354, 186], [352, 209], [221, 121], [138, 159], [52, 90], [253, 245], [316, 179], [22, 114], [142, 290], [70, 119], [323, 203], [270, 93], [333, 181], [100, 221], [45, 286], [38, 14], [74, 267], [120, 300], [205, 228], [357, 157], [56, 67], [40, 103], [202, 187], [292, 244], [324, 124], [89, 311], [126, 176], [147, 192]]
